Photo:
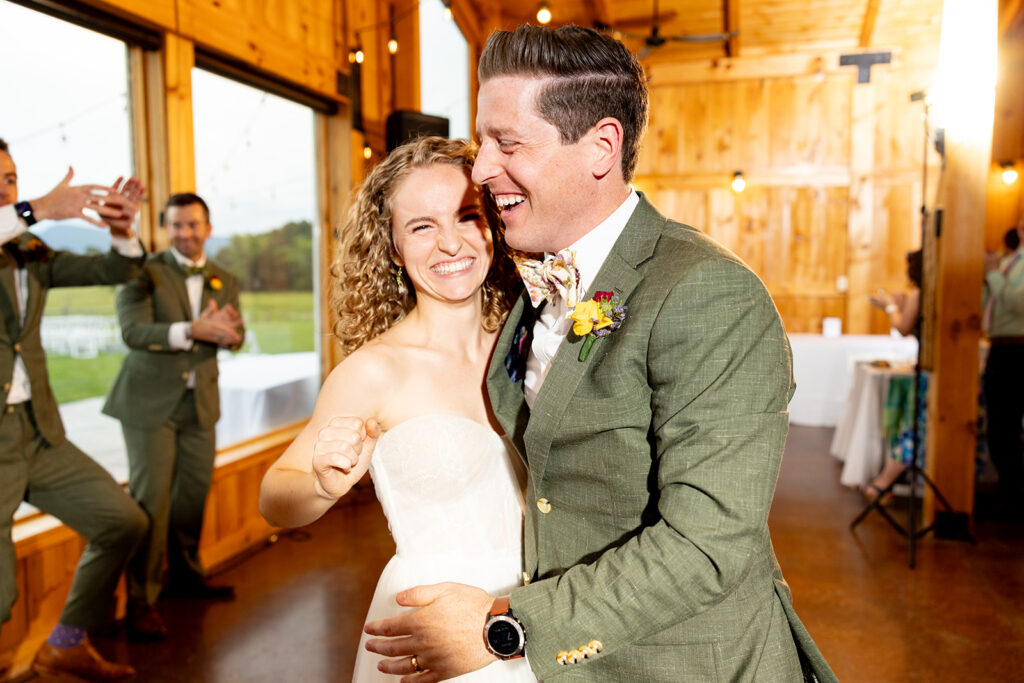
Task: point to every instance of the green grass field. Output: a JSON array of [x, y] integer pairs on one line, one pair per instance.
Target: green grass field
[[282, 322]]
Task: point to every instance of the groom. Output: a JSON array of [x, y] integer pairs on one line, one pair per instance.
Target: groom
[[653, 446]]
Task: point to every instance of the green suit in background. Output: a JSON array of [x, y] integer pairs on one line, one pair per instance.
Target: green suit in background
[[37, 462], [652, 466], [168, 428]]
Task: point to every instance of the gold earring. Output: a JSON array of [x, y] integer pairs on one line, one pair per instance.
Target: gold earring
[[398, 279]]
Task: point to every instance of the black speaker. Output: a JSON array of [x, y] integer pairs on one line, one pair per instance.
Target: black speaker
[[404, 125]]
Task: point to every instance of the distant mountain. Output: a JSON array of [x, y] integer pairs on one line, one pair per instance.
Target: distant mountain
[[76, 236], [79, 236]]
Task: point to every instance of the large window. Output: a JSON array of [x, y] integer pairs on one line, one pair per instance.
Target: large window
[[256, 168], [68, 105], [444, 69]]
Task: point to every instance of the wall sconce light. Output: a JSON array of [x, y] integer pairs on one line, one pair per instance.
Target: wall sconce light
[[1009, 172], [738, 182], [447, 9], [367, 152], [393, 43], [543, 13]]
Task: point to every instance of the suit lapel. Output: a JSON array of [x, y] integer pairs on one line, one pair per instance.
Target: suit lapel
[[506, 395], [618, 274], [10, 304], [178, 283]]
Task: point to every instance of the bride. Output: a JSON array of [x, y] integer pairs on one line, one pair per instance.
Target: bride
[[421, 292]]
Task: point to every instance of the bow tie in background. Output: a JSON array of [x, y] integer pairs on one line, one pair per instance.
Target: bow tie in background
[[194, 270], [556, 275]]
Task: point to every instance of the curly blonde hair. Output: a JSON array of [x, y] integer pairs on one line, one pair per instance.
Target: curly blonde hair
[[365, 293]]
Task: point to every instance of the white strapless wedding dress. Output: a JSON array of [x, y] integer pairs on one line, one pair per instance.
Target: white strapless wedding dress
[[451, 492]]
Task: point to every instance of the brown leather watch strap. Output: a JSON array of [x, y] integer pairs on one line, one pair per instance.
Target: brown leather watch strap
[[499, 606]]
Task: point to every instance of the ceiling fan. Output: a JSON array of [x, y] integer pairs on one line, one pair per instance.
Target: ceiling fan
[[655, 39]]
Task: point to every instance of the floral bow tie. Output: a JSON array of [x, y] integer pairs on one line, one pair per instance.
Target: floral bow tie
[[556, 275], [194, 270]]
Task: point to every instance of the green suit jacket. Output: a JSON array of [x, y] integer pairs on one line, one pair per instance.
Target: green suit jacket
[[652, 466], [153, 377], [45, 268]]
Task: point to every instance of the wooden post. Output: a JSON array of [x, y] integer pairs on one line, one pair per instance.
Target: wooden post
[[952, 415], [179, 58], [862, 207]]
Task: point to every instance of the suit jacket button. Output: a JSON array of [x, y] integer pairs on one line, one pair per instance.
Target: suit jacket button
[[543, 505], [17, 348], [184, 376]]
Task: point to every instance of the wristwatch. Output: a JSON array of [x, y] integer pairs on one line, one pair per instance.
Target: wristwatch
[[24, 209], [503, 634]]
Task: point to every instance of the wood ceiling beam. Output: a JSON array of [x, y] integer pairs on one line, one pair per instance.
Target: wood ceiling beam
[[731, 17], [867, 29], [1010, 15]]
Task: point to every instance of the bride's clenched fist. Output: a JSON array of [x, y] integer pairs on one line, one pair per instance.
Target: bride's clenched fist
[[341, 454]]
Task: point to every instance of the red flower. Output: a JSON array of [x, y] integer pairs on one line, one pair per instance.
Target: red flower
[[603, 296]]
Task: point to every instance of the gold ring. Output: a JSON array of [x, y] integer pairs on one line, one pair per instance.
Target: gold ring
[[415, 664]]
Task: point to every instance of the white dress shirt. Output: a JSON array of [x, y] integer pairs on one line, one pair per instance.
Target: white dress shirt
[[553, 323], [11, 226]]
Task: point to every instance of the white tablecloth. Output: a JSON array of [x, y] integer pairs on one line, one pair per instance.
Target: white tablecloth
[[857, 440], [823, 370], [261, 391]]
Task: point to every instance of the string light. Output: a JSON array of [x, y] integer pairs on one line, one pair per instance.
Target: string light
[[738, 182], [367, 152], [447, 9], [1009, 172], [543, 13], [393, 43]]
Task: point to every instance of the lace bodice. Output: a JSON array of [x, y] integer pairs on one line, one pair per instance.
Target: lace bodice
[[448, 485]]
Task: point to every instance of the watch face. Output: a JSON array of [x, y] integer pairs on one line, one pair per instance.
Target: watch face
[[505, 637]]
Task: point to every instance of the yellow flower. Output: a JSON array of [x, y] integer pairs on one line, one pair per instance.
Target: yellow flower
[[586, 316], [215, 283]]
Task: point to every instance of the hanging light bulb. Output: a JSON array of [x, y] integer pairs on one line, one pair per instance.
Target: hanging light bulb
[[367, 152], [738, 182], [360, 55], [393, 43], [543, 13], [1009, 172], [447, 9]]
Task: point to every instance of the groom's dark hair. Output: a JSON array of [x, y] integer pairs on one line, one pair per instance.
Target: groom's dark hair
[[591, 74]]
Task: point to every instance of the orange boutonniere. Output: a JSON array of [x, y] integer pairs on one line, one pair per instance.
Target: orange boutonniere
[[215, 283], [36, 250]]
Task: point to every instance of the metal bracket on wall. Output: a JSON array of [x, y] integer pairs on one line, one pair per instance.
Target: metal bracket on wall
[[864, 61]]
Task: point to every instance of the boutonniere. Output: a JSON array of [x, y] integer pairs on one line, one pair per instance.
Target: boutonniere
[[215, 283], [595, 318], [36, 250]]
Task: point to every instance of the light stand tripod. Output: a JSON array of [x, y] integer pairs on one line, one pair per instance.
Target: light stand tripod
[[914, 472]]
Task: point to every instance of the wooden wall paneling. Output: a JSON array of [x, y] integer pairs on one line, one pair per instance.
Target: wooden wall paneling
[[294, 40], [753, 230], [179, 58]]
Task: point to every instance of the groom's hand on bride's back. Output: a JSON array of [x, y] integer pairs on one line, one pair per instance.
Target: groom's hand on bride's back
[[341, 453], [445, 634]]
